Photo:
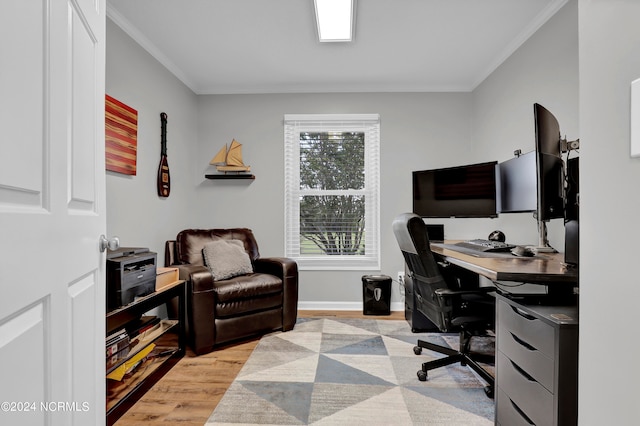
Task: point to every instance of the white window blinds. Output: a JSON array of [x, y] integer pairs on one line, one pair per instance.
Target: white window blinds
[[332, 186]]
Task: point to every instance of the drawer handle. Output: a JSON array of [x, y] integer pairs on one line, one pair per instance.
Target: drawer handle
[[523, 314], [524, 416], [522, 342], [140, 276], [522, 372]]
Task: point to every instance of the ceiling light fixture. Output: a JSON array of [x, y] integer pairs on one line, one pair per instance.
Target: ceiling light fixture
[[336, 19]]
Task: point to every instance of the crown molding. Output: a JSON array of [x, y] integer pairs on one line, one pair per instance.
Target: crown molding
[[146, 44]]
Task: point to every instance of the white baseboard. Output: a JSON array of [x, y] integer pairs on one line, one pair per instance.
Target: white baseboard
[[341, 306]]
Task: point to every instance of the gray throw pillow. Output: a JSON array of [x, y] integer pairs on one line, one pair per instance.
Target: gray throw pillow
[[226, 259]]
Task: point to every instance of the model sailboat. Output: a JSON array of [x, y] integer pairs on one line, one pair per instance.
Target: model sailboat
[[230, 160]]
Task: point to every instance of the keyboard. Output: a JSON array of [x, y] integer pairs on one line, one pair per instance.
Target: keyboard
[[485, 245]]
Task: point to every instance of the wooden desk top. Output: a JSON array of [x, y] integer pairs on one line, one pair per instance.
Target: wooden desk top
[[543, 268]]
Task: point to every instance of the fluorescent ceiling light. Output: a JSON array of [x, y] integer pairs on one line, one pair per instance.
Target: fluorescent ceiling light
[[335, 19]]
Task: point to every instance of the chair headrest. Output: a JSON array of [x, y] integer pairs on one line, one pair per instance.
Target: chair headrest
[[411, 233]]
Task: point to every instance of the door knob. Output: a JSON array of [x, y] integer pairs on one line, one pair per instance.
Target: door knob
[[109, 243]]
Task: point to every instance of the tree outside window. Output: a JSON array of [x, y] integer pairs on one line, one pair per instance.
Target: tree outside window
[[332, 224], [331, 193]]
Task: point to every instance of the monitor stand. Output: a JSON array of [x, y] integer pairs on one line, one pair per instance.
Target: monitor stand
[[543, 242]]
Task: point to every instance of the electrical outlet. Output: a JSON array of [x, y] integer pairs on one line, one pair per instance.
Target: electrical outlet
[[401, 277]]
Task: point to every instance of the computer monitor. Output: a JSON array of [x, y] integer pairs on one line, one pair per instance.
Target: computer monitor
[[572, 213], [572, 199], [463, 191], [518, 184], [550, 167], [535, 181], [550, 172]]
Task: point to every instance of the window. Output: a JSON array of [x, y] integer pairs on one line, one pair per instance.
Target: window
[[332, 182]]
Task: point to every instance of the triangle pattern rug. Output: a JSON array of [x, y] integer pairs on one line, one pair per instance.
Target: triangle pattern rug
[[329, 371]]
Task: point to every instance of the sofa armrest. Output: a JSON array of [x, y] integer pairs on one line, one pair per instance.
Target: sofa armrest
[[287, 270], [200, 306]]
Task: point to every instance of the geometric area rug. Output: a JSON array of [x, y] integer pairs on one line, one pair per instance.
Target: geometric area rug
[[329, 371]]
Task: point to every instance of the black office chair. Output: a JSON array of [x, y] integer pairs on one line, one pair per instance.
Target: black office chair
[[448, 296]]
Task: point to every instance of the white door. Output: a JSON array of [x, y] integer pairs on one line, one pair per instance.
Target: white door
[[52, 212]]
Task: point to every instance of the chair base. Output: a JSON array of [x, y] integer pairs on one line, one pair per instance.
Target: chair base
[[463, 356]]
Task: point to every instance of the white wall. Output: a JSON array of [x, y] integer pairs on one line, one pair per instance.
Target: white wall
[[135, 213], [418, 131], [543, 70], [610, 201]]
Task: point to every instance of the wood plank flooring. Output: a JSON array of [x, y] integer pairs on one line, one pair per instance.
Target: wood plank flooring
[[189, 392]]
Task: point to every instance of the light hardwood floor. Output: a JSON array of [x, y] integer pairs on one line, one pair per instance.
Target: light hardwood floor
[[190, 391]]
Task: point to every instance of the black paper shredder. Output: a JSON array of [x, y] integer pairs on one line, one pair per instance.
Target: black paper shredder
[[376, 293]]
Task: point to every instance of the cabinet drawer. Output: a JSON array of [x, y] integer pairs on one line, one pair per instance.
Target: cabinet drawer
[[527, 357], [531, 330], [531, 397], [508, 413]]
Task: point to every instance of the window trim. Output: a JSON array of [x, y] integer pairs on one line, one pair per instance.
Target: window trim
[[370, 125]]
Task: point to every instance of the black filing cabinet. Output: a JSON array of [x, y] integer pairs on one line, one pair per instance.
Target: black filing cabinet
[[536, 364]]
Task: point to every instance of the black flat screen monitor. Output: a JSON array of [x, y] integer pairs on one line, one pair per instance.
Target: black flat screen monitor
[[518, 184], [464, 191], [550, 169], [572, 203]]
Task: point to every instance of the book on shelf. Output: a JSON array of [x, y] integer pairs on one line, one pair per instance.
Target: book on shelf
[[140, 325], [150, 333], [130, 364], [116, 342], [139, 344], [117, 357], [116, 336]]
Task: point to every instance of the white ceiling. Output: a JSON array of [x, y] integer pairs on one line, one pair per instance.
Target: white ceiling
[[271, 46]]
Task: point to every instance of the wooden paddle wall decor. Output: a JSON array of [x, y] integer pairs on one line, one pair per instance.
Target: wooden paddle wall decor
[[164, 179], [121, 137]]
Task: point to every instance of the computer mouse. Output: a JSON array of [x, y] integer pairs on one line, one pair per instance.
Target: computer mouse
[[497, 236], [523, 251]]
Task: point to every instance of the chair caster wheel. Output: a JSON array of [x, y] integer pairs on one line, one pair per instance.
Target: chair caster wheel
[[417, 350], [488, 390], [422, 376]]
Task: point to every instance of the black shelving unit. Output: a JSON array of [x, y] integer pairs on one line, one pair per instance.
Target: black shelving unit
[[118, 318]]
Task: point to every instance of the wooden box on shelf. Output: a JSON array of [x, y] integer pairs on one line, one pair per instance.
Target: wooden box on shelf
[[166, 276]]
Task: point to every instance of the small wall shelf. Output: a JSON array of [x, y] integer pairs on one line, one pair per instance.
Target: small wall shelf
[[229, 176]]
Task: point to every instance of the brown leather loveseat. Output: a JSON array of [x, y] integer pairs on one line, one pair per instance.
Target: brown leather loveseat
[[223, 310]]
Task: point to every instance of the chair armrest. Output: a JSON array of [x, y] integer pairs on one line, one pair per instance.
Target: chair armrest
[[199, 276], [200, 306], [278, 266], [445, 292], [287, 270]]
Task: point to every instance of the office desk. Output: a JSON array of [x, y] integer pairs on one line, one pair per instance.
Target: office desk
[[537, 343], [544, 268]]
